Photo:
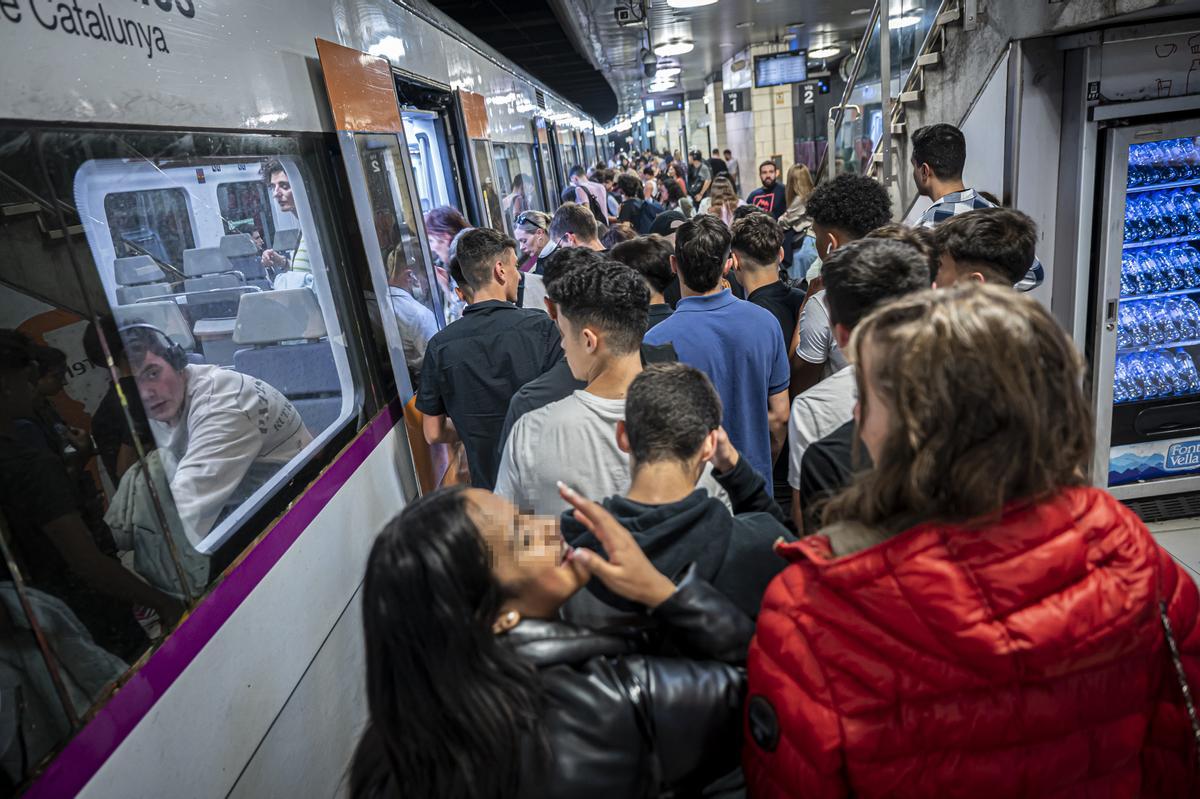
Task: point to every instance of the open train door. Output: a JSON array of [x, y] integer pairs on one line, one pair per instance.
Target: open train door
[[407, 293]]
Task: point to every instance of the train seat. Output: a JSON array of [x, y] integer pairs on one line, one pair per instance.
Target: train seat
[[139, 277], [166, 315], [283, 341], [243, 256], [286, 240], [203, 261]]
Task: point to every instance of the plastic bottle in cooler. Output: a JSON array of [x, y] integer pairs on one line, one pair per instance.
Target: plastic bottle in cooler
[[1121, 386], [1142, 274], [1180, 215], [1125, 326], [1191, 314], [1189, 168], [1154, 271], [1133, 221], [1137, 165], [1128, 264], [1166, 328], [1186, 368], [1139, 329], [1174, 261], [1140, 381]]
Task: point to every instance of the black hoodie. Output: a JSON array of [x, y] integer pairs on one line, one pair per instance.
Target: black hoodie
[[733, 552]]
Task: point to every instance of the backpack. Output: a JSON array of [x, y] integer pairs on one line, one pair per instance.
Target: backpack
[[646, 212], [594, 206]]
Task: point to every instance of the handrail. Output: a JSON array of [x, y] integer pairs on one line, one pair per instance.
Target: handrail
[[851, 82]]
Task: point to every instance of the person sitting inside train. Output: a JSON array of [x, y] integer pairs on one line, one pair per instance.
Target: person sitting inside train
[[55, 549], [476, 688], [988, 245], [416, 321], [294, 272], [474, 366], [224, 433]]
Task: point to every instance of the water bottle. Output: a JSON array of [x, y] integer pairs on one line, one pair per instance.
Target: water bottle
[[1159, 217], [1185, 367], [1154, 273], [1190, 329], [1180, 211], [1128, 264], [1139, 325], [1191, 267], [1133, 225], [1125, 326], [1139, 166], [1166, 328], [1187, 155], [1138, 380], [1174, 264], [1121, 385]]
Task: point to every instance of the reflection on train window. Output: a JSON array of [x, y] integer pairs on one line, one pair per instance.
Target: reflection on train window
[[245, 207], [515, 181], [429, 151], [152, 222], [409, 285], [124, 490]]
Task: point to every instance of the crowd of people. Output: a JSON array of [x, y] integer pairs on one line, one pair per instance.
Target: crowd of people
[[771, 497]]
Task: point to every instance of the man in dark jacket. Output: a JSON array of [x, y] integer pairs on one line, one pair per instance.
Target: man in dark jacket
[[671, 429]]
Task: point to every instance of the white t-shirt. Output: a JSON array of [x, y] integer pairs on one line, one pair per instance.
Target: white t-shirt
[[573, 440], [416, 322], [817, 342], [233, 433], [534, 295], [818, 412]]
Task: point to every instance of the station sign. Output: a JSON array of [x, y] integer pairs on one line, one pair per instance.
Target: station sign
[[734, 101]]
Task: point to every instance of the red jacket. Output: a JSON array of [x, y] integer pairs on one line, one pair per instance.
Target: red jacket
[[1023, 659]]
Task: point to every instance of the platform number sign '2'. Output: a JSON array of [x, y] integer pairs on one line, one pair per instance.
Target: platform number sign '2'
[[809, 91]]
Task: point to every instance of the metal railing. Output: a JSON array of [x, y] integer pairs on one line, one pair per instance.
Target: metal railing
[[885, 74]]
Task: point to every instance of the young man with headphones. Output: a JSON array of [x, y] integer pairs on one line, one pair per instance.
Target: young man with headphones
[[224, 433]]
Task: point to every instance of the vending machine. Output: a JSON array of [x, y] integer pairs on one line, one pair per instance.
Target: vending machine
[[1147, 352]]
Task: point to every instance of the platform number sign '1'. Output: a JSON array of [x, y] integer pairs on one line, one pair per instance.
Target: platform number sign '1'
[[735, 100]]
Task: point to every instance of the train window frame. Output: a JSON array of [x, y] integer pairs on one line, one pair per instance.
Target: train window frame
[[152, 193], [85, 194]]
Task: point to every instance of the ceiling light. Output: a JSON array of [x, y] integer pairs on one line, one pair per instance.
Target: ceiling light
[[896, 23], [668, 72], [726, 44], [661, 87], [746, 24], [824, 52], [674, 47], [689, 3], [859, 12]]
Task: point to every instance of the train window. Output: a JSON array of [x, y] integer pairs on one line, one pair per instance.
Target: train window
[[135, 444], [410, 286], [487, 184], [515, 180], [245, 207], [429, 152], [151, 222]]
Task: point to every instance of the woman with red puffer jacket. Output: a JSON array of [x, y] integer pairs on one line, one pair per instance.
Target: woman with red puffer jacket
[[974, 620]]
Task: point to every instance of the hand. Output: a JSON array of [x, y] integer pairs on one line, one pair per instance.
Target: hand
[[80, 440], [627, 572], [273, 259], [726, 455], [170, 612]]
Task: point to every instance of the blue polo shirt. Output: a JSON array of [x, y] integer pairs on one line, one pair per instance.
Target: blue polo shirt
[[738, 345]]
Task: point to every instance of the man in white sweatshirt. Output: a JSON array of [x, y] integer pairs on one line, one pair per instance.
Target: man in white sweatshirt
[[223, 434]]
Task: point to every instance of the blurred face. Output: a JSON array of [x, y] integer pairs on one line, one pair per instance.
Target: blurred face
[[52, 382], [531, 243], [281, 190], [947, 274], [528, 555], [439, 243], [160, 387], [873, 417], [825, 238], [767, 175], [16, 394], [512, 274]]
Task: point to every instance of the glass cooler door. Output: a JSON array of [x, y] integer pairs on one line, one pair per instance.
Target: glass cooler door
[[1146, 352]]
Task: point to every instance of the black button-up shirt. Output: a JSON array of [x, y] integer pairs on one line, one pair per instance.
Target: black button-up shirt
[[474, 366]]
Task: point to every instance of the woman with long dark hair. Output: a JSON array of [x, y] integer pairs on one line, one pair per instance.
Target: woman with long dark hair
[[476, 690]]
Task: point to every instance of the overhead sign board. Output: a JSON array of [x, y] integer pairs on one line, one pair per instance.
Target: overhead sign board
[[735, 101]]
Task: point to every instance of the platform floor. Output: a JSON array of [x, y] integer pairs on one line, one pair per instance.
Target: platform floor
[[1181, 537]]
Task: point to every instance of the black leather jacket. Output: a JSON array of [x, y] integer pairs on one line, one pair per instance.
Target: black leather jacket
[[622, 719]]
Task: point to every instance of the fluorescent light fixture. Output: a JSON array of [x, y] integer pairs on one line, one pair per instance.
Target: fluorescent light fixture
[[824, 52], [859, 11], [667, 72], [689, 3], [896, 23], [674, 47], [661, 87], [744, 25]]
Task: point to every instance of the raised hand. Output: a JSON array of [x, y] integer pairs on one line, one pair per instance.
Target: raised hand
[[627, 572]]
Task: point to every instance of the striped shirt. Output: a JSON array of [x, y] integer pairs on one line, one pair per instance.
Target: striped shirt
[[300, 262], [959, 202]]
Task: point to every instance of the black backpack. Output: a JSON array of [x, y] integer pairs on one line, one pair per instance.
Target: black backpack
[[594, 206], [644, 220]]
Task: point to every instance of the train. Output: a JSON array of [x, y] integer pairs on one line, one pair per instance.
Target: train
[[158, 159]]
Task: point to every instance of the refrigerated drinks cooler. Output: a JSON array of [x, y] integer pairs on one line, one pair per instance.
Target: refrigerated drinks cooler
[[1148, 353]]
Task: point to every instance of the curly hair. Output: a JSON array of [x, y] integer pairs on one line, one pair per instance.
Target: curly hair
[[852, 203], [608, 296]]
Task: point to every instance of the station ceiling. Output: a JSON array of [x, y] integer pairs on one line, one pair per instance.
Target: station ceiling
[[530, 34], [717, 31]]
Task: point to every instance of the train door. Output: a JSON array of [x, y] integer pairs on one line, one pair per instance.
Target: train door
[[556, 158], [544, 163], [408, 302], [433, 133]]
